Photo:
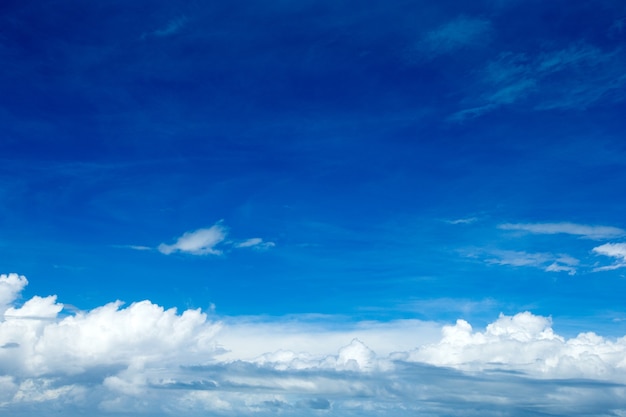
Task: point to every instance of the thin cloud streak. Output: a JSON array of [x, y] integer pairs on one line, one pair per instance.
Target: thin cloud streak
[[546, 261], [584, 231], [173, 27]]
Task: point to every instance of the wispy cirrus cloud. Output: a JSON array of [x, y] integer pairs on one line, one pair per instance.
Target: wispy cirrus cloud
[[144, 359], [173, 26], [582, 230], [542, 260], [255, 243], [552, 261], [576, 76]]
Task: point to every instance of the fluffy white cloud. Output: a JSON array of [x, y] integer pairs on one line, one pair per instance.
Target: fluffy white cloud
[[10, 286], [585, 231], [198, 242], [36, 342], [614, 250], [146, 360]]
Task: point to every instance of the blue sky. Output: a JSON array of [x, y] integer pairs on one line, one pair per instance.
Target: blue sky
[[374, 175]]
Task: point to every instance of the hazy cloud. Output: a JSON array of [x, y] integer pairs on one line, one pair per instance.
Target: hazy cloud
[[173, 26], [461, 32]]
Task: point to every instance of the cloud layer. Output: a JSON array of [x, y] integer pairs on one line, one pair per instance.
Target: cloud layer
[[143, 359]]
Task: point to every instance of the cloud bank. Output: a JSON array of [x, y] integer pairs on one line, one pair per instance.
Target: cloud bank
[[142, 359]]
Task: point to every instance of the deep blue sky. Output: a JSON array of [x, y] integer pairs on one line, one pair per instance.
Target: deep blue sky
[[337, 208], [353, 136]]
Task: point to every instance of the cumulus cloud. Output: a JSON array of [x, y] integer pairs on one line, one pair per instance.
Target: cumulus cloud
[[10, 286], [585, 231], [526, 343], [468, 220], [146, 360]]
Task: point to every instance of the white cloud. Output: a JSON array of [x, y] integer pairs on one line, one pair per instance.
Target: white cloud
[[527, 343], [247, 338], [356, 356], [198, 242], [547, 261], [139, 247], [147, 360], [614, 250], [255, 242], [585, 231], [206, 242], [468, 220], [10, 286], [551, 262], [556, 267]]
